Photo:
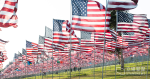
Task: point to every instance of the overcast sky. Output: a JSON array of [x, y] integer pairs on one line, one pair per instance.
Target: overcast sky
[[34, 15]]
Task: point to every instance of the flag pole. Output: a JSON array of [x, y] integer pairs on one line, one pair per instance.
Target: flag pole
[[94, 55], [42, 66], [104, 39], [25, 66], [22, 63], [148, 57], [52, 61], [52, 53], [79, 56], [47, 65], [70, 34], [142, 54], [116, 40]]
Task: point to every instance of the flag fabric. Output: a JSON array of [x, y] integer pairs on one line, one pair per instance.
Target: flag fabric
[[88, 15], [2, 45], [148, 22], [5, 55], [60, 35], [17, 69], [1, 57], [85, 35], [41, 44], [24, 54], [122, 4], [20, 59], [125, 22], [143, 21], [16, 58], [99, 36], [1, 65], [49, 45], [48, 42], [48, 32], [132, 22], [8, 15], [87, 39], [29, 63], [31, 48]]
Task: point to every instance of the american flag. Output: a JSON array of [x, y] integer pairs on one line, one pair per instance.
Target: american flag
[[89, 16], [1, 57], [2, 45], [49, 45], [125, 22], [122, 4], [24, 54], [1, 65], [8, 15], [132, 22], [5, 55], [41, 44], [31, 48], [16, 57], [143, 21], [87, 38], [99, 36], [48, 32], [20, 59], [60, 34]]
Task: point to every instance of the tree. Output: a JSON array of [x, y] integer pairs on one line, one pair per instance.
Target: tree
[[113, 26]]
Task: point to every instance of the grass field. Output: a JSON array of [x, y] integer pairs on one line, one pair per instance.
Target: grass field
[[132, 71]]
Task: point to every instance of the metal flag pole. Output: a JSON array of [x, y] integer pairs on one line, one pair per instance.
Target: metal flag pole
[[148, 57], [79, 59], [116, 40], [142, 56], [104, 39], [22, 63], [25, 67], [70, 34], [106, 64], [42, 66], [52, 60], [47, 65], [35, 66], [52, 54], [94, 55]]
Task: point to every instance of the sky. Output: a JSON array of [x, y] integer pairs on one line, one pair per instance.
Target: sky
[[34, 15]]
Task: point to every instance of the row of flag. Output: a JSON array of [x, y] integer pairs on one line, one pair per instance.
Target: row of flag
[[91, 12], [54, 50], [3, 54]]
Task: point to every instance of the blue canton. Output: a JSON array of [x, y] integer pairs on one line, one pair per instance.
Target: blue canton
[[79, 7], [41, 40], [57, 25], [48, 32], [85, 35], [148, 22], [24, 52], [28, 44], [125, 17]]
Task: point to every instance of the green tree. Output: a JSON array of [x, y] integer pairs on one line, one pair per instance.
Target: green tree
[[113, 26]]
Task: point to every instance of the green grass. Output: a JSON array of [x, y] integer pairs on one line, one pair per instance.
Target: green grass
[[109, 73]]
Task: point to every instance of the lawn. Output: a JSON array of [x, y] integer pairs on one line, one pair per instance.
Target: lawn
[[132, 71]]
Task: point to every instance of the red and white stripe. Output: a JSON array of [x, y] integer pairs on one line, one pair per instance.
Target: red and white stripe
[[8, 15], [2, 45], [139, 24], [49, 45], [64, 36], [95, 19], [122, 4]]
